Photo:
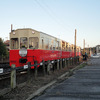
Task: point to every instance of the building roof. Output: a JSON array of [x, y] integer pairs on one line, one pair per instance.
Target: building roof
[[98, 46], [7, 42]]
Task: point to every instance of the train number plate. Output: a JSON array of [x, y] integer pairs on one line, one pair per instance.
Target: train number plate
[[25, 66], [1, 70]]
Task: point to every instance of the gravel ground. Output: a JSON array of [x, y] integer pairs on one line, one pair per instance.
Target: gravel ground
[[22, 93]]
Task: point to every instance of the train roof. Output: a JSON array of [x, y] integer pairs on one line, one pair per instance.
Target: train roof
[[25, 29], [42, 33]]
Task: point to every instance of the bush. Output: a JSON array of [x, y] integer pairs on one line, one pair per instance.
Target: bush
[[3, 50]]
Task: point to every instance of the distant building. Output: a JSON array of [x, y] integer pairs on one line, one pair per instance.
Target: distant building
[[90, 51], [93, 50], [87, 50], [98, 49]]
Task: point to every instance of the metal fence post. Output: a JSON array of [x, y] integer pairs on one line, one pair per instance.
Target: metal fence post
[[65, 62], [35, 74], [29, 67], [73, 61], [76, 60], [13, 76], [48, 67], [43, 67], [58, 64], [68, 62], [53, 65]]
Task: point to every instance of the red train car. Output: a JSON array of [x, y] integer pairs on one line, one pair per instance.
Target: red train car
[[29, 45]]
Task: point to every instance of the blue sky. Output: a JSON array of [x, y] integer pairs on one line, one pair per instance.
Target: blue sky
[[59, 18]]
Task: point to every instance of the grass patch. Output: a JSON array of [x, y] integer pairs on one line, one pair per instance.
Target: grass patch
[[83, 65], [76, 68]]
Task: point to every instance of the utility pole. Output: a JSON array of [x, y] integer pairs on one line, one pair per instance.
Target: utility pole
[[88, 50], [11, 27], [75, 59], [75, 43]]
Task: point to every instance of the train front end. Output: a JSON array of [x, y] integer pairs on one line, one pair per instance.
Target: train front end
[[23, 47]]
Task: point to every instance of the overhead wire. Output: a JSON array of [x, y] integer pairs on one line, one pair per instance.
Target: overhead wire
[[51, 14]]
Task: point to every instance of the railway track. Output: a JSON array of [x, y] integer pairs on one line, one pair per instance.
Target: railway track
[[7, 71], [4, 65], [7, 75], [4, 62]]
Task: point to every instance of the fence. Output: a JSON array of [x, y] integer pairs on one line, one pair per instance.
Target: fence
[[46, 66], [3, 60]]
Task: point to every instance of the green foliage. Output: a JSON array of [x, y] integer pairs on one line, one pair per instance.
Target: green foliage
[[83, 65], [3, 50]]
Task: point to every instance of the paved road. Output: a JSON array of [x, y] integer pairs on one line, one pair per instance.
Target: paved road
[[83, 85]]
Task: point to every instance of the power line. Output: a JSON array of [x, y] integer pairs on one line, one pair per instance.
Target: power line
[[50, 12]]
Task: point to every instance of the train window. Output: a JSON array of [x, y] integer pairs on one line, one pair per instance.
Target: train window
[[46, 43], [73, 48], [33, 42], [57, 45], [66, 46], [23, 42], [50, 44], [14, 43], [51, 47], [77, 50], [69, 48], [54, 44], [63, 45]]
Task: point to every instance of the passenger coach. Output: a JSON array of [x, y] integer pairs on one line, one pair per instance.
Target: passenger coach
[[29, 45]]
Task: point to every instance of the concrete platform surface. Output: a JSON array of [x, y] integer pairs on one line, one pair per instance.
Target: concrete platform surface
[[83, 85]]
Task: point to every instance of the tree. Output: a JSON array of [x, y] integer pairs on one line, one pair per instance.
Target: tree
[[3, 50]]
